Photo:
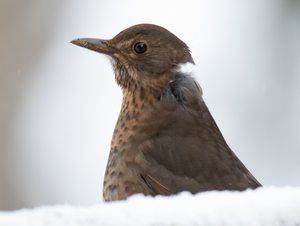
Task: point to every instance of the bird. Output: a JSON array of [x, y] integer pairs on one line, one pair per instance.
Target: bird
[[165, 140]]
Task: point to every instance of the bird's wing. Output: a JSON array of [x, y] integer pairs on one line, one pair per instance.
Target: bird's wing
[[155, 186], [161, 180], [191, 155]]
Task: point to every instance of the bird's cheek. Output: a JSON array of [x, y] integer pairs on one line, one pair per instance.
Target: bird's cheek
[[120, 59], [156, 66]]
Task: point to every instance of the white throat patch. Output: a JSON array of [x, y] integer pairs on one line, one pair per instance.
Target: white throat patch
[[186, 68]]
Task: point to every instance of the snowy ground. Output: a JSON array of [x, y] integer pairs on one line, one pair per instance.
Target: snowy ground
[[266, 206]]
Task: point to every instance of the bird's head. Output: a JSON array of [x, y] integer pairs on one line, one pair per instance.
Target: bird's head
[[143, 56]]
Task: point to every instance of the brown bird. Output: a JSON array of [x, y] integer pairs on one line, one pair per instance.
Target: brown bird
[[165, 140]]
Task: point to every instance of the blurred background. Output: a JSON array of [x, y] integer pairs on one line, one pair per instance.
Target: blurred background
[[59, 103]]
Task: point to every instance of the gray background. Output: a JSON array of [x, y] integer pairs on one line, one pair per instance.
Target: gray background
[[59, 102]]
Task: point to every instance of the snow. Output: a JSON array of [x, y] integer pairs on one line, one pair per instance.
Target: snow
[[265, 206]]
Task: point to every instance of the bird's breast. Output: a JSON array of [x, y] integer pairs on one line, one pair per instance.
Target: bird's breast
[[137, 124], [142, 118]]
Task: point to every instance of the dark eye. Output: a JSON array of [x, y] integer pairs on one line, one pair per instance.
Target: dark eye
[[140, 47]]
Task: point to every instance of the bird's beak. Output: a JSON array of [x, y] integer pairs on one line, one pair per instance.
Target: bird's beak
[[98, 45]]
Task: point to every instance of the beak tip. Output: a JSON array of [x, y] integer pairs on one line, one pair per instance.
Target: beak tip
[[75, 41]]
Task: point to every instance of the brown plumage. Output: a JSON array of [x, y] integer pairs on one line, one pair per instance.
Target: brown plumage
[[165, 140]]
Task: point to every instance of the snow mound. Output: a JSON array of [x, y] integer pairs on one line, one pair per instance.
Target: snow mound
[[273, 206]]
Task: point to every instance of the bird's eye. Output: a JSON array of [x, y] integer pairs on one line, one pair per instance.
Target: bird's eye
[[140, 47]]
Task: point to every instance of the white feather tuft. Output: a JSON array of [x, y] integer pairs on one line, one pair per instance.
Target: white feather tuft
[[186, 68]]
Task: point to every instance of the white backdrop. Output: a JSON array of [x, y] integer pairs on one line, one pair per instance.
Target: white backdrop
[[59, 102]]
